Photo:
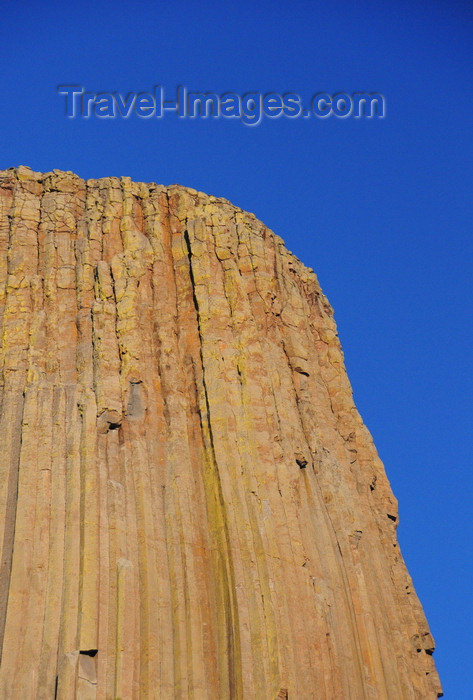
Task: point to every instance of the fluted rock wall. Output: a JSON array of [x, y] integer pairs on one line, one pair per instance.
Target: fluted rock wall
[[190, 504]]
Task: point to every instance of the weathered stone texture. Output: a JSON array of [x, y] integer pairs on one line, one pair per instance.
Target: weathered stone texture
[[190, 505]]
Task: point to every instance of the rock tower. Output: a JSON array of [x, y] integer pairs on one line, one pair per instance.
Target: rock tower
[[190, 505]]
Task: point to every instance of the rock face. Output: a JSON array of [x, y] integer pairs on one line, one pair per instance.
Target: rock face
[[190, 504]]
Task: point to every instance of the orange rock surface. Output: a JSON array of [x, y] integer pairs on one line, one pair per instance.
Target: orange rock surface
[[190, 505]]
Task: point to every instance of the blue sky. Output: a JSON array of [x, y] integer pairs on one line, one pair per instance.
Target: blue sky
[[382, 209]]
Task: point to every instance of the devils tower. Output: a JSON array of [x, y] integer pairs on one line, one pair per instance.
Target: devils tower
[[190, 505]]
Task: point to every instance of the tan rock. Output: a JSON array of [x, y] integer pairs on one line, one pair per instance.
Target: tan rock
[[190, 505]]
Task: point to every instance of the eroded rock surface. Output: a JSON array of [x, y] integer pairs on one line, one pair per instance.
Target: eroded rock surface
[[190, 504]]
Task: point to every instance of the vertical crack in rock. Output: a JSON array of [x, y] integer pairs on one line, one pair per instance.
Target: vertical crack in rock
[[190, 505]]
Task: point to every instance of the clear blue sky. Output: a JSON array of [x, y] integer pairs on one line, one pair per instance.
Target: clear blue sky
[[382, 209]]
